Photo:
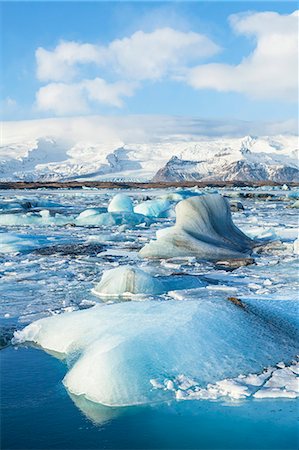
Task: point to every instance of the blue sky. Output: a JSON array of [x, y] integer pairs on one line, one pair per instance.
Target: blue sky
[[205, 59]]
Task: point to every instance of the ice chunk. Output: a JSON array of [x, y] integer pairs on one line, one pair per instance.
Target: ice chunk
[[127, 280], [88, 213], [41, 218], [114, 351], [153, 208], [15, 243], [295, 204], [121, 203], [24, 203], [110, 219], [296, 246], [204, 228]]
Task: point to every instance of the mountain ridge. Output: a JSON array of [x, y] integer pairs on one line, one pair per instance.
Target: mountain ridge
[[249, 158]]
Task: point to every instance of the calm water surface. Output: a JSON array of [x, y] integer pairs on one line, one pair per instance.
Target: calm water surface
[[37, 413]]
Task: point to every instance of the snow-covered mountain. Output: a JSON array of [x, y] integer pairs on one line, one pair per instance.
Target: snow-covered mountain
[[57, 151], [247, 159]]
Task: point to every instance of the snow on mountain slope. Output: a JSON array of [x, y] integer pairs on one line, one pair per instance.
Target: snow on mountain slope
[[93, 149], [247, 159]]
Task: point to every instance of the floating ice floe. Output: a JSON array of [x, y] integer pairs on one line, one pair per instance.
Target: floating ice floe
[[273, 382], [296, 246], [153, 208], [121, 203], [26, 204], [203, 228], [16, 243], [41, 218], [127, 281], [110, 219], [114, 351], [90, 217]]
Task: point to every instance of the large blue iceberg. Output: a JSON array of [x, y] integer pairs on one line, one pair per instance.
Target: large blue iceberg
[[203, 228], [114, 352]]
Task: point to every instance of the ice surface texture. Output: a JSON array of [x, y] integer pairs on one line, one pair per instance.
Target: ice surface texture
[[128, 280], [89, 217], [203, 228], [121, 203], [16, 243], [153, 208], [114, 351]]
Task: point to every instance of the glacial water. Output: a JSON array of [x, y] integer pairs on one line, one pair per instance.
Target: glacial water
[[51, 264], [38, 413]]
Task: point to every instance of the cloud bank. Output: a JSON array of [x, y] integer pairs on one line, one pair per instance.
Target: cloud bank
[[124, 65], [270, 71]]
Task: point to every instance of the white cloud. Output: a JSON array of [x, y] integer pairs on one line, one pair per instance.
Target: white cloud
[[60, 64], [74, 98], [270, 71], [109, 94], [153, 55], [140, 56], [61, 98]]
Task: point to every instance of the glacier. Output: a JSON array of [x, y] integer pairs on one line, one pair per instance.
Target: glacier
[[203, 228], [95, 148]]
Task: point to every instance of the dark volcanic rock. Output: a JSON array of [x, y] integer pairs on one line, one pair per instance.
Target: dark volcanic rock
[[71, 250]]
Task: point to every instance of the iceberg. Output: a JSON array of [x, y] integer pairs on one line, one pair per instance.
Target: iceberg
[[115, 351], [203, 228], [153, 208], [121, 203], [127, 281]]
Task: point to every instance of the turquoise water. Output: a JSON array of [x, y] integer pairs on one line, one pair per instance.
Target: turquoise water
[[37, 413]]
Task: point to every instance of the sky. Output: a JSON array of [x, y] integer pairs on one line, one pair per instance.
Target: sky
[[208, 59]]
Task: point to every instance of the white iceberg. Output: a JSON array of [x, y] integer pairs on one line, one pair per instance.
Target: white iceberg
[[114, 351], [203, 228], [120, 203], [127, 281]]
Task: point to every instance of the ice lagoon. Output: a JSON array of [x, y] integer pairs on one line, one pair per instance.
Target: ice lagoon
[[175, 350]]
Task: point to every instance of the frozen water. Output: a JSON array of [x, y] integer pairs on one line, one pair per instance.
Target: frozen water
[[121, 203], [127, 280], [203, 228], [15, 243], [153, 208], [209, 340], [37, 284], [278, 382], [30, 219], [110, 219]]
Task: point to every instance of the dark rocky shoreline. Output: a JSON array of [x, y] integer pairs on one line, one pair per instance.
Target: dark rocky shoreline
[[134, 185]]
